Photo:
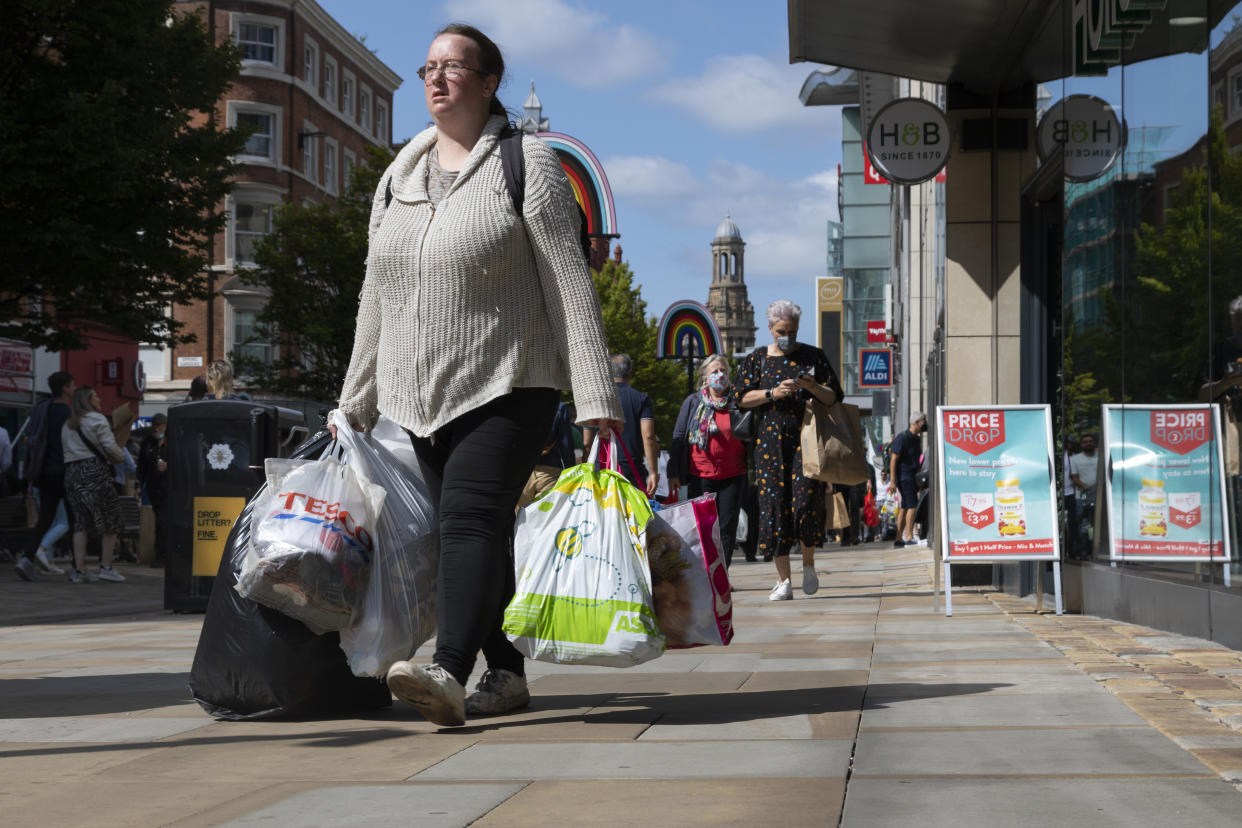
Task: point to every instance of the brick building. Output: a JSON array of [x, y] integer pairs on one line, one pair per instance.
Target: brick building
[[317, 97]]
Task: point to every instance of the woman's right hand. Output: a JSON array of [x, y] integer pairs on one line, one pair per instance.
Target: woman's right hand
[[332, 430]]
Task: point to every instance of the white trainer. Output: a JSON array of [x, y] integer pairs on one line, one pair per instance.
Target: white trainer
[[46, 564], [810, 580], [107, 573], [783, 591], [498, 691], [431, 691]]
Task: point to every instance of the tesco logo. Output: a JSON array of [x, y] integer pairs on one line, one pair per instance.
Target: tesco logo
[[974, 432], [1179, 431]]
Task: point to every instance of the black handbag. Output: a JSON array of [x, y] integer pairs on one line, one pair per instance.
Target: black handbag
[[742, 421]]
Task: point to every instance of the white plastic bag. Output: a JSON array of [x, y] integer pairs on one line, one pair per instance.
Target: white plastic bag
[[583, 587], [398, 613], [311, 548], [693, 599], [743, 526]]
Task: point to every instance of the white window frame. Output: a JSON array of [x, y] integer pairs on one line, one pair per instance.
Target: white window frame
[[237, 19], [310, 153], [245, 298], [347, 100], [381, 121], [349, 162], [234, 108], [1219, 96], [309, 71], [366, 117], [246, 195], [332, 171], [329, 85], [1233, 95]]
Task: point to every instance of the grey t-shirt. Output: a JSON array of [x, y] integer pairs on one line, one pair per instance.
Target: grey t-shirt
[[439, 180]]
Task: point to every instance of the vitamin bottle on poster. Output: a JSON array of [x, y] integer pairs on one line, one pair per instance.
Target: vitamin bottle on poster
[[1010, 508], [1153, 509]]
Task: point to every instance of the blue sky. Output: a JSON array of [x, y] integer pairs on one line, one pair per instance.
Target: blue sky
[[692, 106]]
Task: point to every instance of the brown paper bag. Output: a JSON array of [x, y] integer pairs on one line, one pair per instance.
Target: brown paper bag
[[146, 535], [838, 514], [832, 444]]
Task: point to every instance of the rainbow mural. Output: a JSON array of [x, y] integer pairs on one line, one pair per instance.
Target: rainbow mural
[[586, 176], [687, 317]]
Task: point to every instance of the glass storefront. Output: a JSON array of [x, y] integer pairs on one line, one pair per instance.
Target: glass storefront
[[1150, 266]]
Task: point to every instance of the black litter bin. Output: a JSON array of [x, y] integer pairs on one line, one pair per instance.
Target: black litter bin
[[216, 450]]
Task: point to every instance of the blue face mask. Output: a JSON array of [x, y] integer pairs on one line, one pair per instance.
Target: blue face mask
[[785, 343], [718, 381]]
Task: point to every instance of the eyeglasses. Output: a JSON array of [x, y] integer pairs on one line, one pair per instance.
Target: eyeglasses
[[451, 69]]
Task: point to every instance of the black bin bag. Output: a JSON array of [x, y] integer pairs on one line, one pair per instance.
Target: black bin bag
[[252, 662]]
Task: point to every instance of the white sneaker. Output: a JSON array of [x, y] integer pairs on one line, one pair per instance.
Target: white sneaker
[[26, 569], [497, 692], [46, 564], [782, 592], [810, 580], [431, 691], [107, 573]]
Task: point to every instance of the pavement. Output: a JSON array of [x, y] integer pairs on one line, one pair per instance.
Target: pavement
[[858, 706]]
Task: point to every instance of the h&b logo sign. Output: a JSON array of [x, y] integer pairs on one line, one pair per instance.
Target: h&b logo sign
[[875, 368]]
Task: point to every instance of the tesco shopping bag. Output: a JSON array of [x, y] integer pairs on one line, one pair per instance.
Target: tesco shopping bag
[[398, 610], [690, 586], [583, 591], [311, 548]]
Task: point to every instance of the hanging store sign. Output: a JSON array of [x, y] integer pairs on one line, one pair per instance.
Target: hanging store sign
[[908, 141], [997, 491], [877, 331], [1104, 28], [1088, 130], [1165, 483], [875, 368]]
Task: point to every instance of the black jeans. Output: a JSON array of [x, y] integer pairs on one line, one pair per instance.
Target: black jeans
[[729, 492], [51, 492], [475, 468]]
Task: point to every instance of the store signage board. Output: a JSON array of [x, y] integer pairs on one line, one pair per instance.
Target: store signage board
[[877, 331], [998, 496], [875, 368], [997, 492], [1103, 28], [1088, 130], [908, 141], [1165, 484]]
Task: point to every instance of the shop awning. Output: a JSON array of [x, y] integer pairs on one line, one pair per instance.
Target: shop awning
[[984, 44]]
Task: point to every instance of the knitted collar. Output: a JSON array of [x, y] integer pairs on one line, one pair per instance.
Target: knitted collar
[[408, 170]]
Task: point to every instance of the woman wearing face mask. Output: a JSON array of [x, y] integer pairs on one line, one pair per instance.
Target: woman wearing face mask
[[469, 322], [778, 380], [705, 454]]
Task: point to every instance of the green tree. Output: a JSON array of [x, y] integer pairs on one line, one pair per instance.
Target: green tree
[[112, 167], [629, 330], [313, 263]]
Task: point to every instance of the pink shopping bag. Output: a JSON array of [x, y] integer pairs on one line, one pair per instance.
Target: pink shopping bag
[[690, 586]]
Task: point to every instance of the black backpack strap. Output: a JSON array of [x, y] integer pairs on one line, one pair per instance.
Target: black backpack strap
[[388, 193], [514, 164]]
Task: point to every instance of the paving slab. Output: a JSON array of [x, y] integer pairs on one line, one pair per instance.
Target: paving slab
[[75, 729], [384, 806], [1049, 710], [1038, 803], [651, 760]]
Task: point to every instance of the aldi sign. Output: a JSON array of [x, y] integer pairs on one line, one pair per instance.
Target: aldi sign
[[875, 368]]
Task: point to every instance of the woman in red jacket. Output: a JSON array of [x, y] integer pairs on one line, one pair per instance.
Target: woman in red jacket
[[705, 454]]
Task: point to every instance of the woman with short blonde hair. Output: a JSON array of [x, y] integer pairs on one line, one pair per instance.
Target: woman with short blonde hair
[[90, 450]]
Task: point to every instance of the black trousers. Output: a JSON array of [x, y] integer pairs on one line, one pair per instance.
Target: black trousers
[[51, 492], [729, 492], [475, 468]]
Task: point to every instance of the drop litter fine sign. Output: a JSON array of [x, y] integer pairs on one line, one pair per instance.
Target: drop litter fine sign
[[1165, 488], [997, 497]]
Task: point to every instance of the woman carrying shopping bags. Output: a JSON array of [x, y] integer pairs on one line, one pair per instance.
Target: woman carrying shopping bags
[[90, 450], [470, 319], [706, 454]]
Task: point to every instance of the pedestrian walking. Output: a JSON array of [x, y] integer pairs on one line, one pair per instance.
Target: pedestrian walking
[[778, 380], [467, 326], [706, 455], [639, 434], [220, 382], [90, 450], [45, 471], [907, 454]]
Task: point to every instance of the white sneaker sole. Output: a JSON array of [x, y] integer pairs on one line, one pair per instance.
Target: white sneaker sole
[[421, 692]]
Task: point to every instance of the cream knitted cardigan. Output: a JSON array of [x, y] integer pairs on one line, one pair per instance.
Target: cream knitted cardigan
[[465, 301]]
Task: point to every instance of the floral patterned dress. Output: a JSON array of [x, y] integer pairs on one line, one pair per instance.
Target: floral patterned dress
[[792, 509]]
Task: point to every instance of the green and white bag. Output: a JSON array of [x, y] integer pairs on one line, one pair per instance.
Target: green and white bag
[[583, 583]]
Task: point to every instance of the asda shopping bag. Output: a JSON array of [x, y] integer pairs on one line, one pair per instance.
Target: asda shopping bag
[[583, 591], [253, 662], [310, 551], [398, 610], [689, 582]]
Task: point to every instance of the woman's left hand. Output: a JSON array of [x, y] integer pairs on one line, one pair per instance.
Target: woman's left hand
[[806, 381]]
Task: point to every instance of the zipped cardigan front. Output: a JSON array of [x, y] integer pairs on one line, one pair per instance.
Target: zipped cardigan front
[[464, 301]]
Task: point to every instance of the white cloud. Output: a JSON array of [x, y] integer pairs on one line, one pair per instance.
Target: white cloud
[[582, 47], [743, 93], [648, 177]]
